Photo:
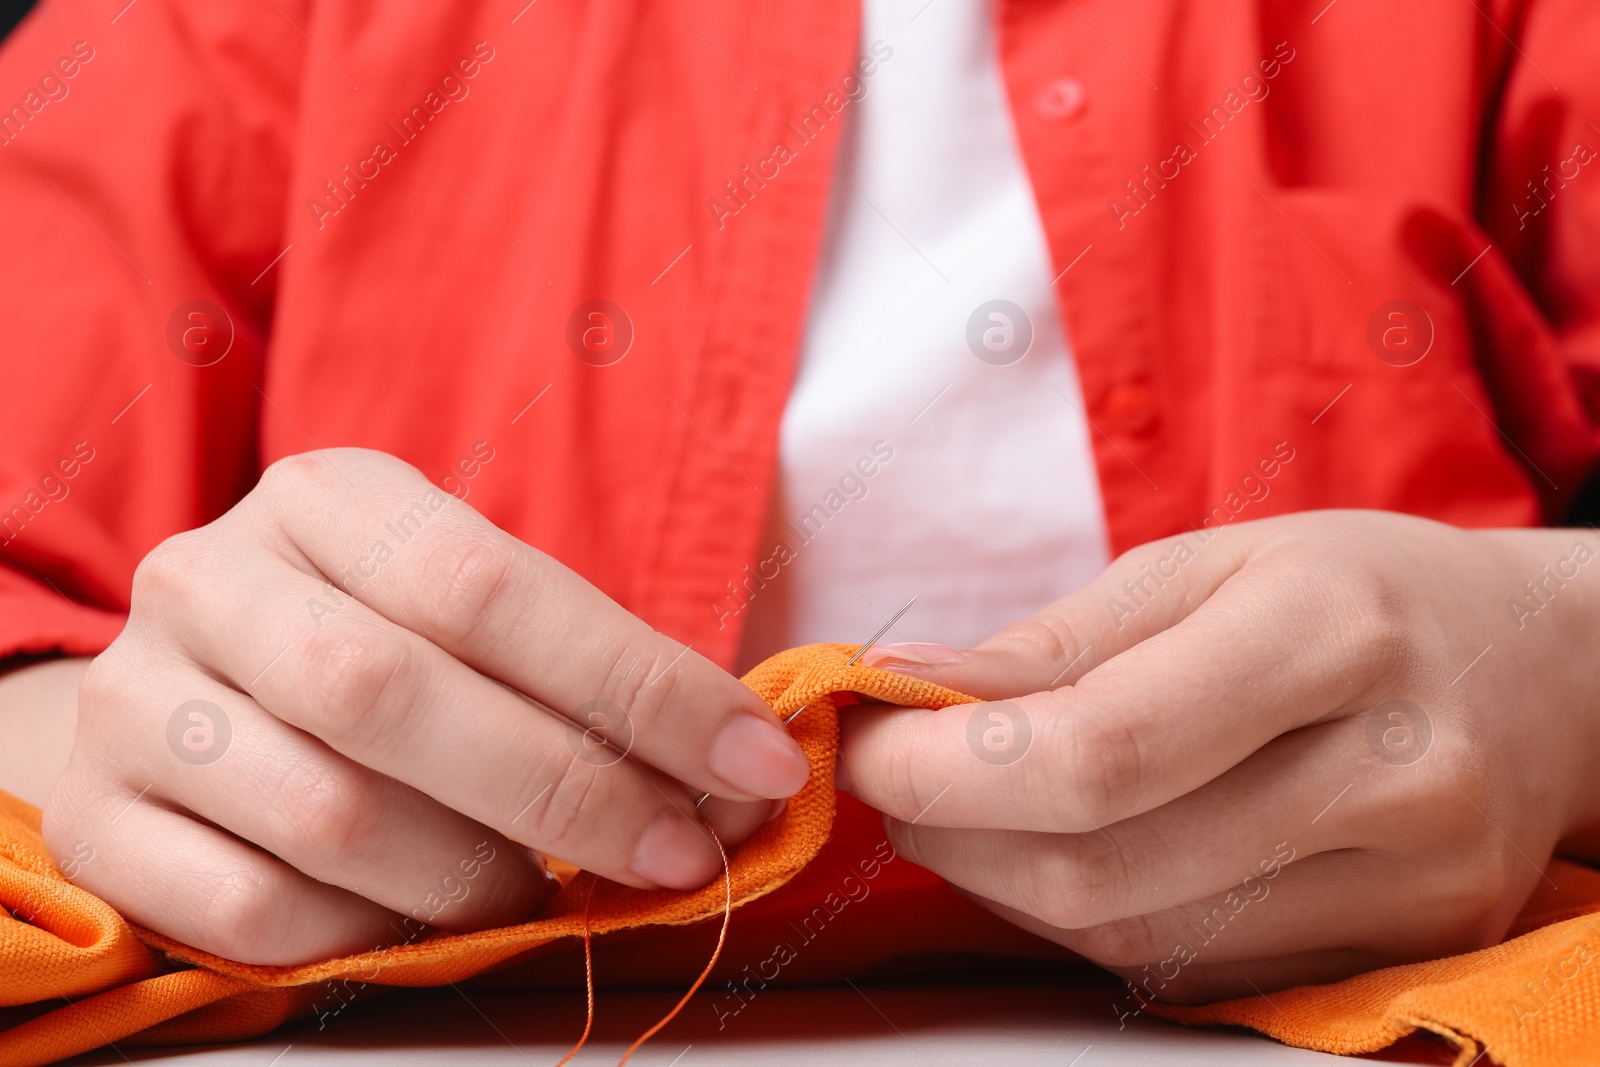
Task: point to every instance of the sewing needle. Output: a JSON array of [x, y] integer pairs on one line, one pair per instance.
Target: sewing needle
[[862, 651]]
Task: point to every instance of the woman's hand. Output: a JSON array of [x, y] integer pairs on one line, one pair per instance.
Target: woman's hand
[[1283, 752], [351, 696]]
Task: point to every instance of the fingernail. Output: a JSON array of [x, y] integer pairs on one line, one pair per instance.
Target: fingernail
[[757, 757], [841, 779], [912, 654], [778, 808], [675, 854]]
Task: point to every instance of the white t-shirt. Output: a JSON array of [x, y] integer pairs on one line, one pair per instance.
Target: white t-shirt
[[908, 464]]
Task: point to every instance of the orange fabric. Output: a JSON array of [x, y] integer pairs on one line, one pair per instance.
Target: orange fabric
[[1534, 1000]]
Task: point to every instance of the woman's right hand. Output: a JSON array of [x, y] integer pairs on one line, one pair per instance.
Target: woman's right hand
[[352, 697]]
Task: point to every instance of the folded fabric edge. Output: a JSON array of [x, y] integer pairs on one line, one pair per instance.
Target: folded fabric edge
[[491, 946], [114, 1015]]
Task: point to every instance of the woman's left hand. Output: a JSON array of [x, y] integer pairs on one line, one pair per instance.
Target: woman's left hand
[[1287, 752]]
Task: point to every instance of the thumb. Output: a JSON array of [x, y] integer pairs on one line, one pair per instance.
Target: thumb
[[1144, 591]]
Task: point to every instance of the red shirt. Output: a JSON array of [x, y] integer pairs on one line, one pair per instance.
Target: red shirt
[[1259, 210]]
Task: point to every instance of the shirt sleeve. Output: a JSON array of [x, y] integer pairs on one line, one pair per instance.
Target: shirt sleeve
[[144, 153], [1540, 207]]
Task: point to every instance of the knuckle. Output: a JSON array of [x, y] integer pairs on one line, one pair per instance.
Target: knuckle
[[1128, 559], [1124, 943], [1078, 885], [1484, 901], [104, 684], [353, 671], [904, 789], [567, 815], [641, 680], [1049, 637], [242, 913], [1488, 917], [1052, 893], [68, 815], [293, 475], [1098, 770], [466, 578], [1469, 747], [1386, 634], [325, 807], [1458, 792], [1368, 624], [1468, 903], [1483, 885], [167, 572]]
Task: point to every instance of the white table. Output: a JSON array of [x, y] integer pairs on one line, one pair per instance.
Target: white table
[[870, 1025]]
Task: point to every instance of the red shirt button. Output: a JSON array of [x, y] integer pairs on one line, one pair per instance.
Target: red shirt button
[[1131, 408], [1059, 100]]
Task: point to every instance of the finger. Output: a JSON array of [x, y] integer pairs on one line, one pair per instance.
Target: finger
[[390, 700], [1320, 904], [434, 566], [1204, 842], [1155, 722], [1167, 978], [227, 761], [1143, 592], [736, 821], [199, 886]]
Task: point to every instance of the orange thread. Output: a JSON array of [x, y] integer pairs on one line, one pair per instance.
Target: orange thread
[[727, 914], [588, 971]]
